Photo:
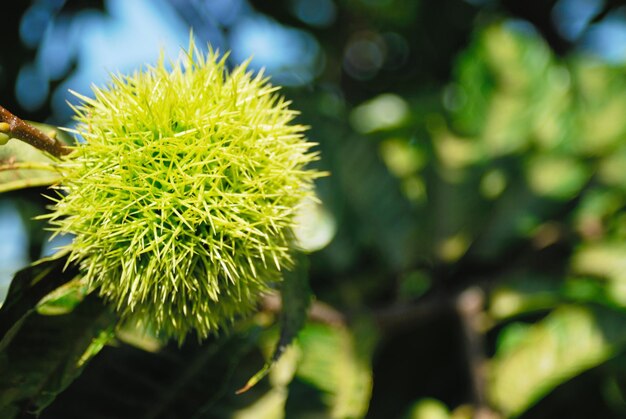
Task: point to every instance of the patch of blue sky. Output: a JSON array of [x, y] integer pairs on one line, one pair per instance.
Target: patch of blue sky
[[13, 246], [571, 17], [291, 56], [133, 35], [607, 39]]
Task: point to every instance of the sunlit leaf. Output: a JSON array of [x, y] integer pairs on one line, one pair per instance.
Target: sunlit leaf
[[22, 165], [508, 300], [607, 262], [401, 158], [384, 112], [63, 299], [337, 361], [428, 409], [532, 360], [556, 177]]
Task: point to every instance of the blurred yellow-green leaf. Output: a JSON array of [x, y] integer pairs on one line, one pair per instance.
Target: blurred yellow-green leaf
[[428, 409], [337, 361], [22, 165], [533, 359]]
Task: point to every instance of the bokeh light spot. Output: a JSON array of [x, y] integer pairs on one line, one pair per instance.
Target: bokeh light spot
[[493, 184], [315, 226], [34, 24], [555, 176], [402, 159], [364, 55], [384, 112], [318, 13], [453, 247]]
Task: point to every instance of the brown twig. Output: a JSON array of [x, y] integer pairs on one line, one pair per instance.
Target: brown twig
[[21, 130], [469, 305]]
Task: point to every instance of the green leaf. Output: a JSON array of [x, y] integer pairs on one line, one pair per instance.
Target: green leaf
[[64, 299], [40, 355], [46, 353], [23, 166], [520, 293], [296, 297], [532, 360], [195, 380], [337, 361], [428, 409], [29, 286], [556, 177]]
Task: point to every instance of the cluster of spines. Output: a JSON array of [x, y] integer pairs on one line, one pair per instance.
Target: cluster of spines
[[182, 197]]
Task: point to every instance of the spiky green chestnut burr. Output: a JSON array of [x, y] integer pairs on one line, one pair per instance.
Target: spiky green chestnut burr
[[182, 196]]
